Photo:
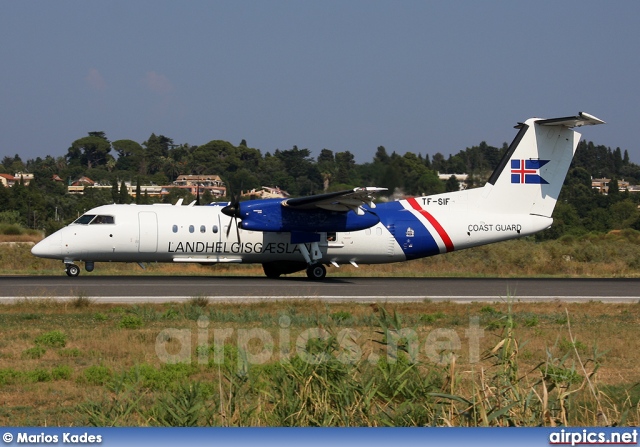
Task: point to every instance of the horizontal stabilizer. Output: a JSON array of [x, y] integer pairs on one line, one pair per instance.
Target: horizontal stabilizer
[[583, 119]]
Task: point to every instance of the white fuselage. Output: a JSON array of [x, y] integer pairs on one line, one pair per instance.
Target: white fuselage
[[165, 233]]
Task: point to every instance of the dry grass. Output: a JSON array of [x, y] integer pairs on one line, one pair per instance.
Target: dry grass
[[612, 255], [96, 337], [121, 340]]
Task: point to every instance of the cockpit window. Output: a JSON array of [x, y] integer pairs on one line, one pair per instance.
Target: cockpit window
[[102, 220], [92, 219], [84, 219]]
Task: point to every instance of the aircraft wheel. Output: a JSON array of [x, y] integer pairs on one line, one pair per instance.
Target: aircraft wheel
[[73, 270], [271, 271], [316, 271]]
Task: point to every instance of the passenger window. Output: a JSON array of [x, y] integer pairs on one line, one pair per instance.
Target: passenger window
[[215, 228], [367, 231], [203, 229], [379, 231], [175, 228], [191, 229], [331, 237]]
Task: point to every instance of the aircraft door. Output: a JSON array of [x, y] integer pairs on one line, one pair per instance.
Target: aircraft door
[[403, 232], [413, 238], [148, 222]]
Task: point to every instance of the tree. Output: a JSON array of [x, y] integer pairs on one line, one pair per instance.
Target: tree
[[614, 189], [124, 193], [438, 163], [130, 156], [138, 192], [93, 151], [115, 193], [327, 167], [345, 162], [156, 147], [215, 157], [429, 183], [623, 214], [452, 184], [381, 155], [298, 164]]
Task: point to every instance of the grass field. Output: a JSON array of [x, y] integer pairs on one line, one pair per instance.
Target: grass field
[[308, 363]]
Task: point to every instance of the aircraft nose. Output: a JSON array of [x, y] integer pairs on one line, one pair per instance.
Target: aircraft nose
[[49, 247]]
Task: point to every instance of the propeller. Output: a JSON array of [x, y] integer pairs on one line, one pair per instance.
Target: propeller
[[233, 211]]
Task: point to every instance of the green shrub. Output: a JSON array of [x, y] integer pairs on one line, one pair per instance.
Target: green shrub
[[97, 375], [531, 321], [8, 376], [53, 339], [10, 217], [11, 230], [38, 375], [33, 353], [341, 316], [62, 372], [170, 314], [430, 318], [69, 352], [130, 322]]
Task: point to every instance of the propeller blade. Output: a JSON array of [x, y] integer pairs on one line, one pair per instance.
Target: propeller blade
[[229, 228], [233, 211]]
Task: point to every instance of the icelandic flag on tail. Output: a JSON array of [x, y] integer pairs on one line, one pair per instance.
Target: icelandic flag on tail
[[527, 171]]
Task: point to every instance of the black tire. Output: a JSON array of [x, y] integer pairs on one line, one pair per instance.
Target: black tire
[[271, 271], [316, 271], [73, 270]]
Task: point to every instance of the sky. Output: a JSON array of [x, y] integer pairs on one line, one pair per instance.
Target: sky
[[419, 76]]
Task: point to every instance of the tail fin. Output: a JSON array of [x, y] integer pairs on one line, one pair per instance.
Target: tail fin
[[531, 173]]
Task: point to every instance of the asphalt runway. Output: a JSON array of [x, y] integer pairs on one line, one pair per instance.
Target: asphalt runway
[[132, 289]]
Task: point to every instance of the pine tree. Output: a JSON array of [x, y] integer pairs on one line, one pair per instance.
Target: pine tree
[[138, 192], [124, 193], [114, 192]]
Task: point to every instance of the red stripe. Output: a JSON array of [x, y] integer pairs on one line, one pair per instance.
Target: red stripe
[[432, 220]]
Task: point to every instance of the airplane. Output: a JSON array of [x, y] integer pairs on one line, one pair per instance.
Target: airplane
[[345, 227]]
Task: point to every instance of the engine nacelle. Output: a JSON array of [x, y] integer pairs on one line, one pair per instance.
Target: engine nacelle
[[271, 215]]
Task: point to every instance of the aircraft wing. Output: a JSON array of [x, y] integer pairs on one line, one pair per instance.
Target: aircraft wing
[[341, 201]]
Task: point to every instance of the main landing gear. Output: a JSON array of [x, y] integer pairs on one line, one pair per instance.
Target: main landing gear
[[316, 271], [312, 263]]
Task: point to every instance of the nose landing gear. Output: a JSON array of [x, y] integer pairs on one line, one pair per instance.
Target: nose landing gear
[[72, 270]]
